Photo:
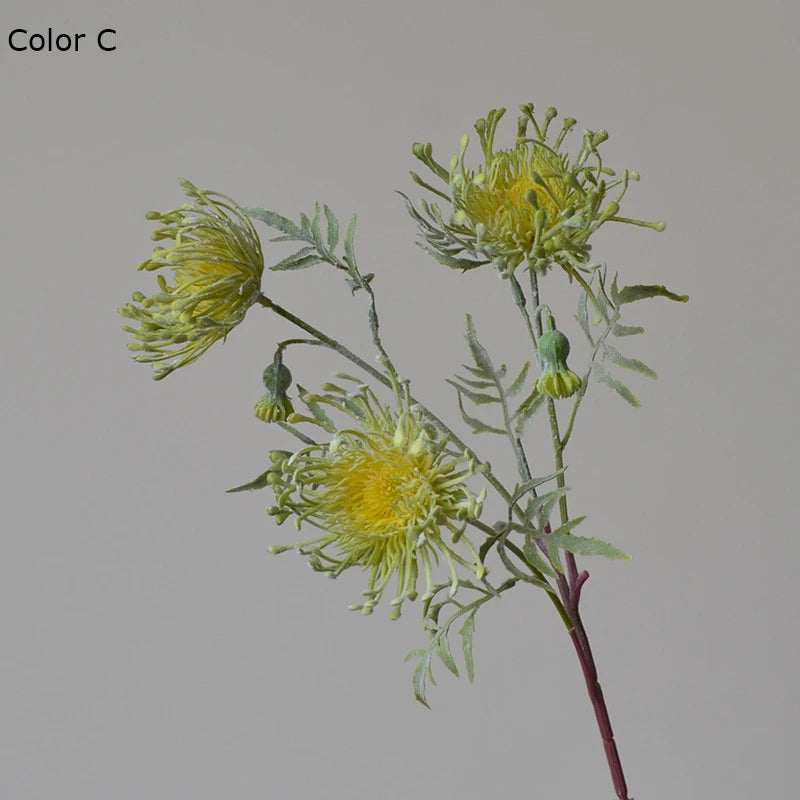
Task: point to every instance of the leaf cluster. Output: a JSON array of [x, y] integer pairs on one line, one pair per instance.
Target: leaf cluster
[[608, 302]]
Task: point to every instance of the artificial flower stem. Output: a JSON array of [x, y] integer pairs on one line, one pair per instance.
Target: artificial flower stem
[[570, 593], [379, 376], [584, 651]]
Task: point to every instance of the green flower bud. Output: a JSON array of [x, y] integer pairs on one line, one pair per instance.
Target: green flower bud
[[556, 380], [275, 405]]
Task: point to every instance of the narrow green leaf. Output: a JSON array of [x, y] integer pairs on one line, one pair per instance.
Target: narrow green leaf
[[467, 633], [444, 653], [620, 388], [257, 483], [420, 674], [527, 408], [453, 262], [519, 381], [531, 551], [628, 363], [300, 260], [276, 221], [626, 330], [349, 238], [333, 229], [553, 541], [482, 384], [316, 230], [478, 426], [523, 488], [479, 398], [630, 294], [479, 354], [583, 317]]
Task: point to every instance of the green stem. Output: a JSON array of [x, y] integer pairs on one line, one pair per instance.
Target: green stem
[[381, 378]]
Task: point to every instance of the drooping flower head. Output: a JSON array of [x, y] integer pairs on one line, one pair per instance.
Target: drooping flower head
[[216, 264], [557, 379], [386, 493], [275, 405], [529, 202]]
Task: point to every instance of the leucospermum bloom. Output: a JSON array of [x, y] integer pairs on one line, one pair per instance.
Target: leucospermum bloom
[[530, 202], [217, 264], [386, 494]]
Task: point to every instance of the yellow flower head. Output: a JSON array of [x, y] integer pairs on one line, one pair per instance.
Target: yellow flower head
[[216, 264], [382, 493], [529, 202]]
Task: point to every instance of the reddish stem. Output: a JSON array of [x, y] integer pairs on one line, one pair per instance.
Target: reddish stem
[[584, 651]]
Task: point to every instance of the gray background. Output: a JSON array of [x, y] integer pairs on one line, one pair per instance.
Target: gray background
[[150, 645]]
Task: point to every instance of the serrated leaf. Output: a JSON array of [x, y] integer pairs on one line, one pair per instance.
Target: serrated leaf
[[257, 483], [634, 364], [630, 294], [620, 388], [584, 546], [479, 354], [333, 229], [477, 425], [553, 541], [300, 260], [626, 330], [274, 220], [479, 398], [544, 504], [467, 633], [519, 381]]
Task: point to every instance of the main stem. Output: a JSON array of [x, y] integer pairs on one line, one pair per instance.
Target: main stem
[[570, 589]]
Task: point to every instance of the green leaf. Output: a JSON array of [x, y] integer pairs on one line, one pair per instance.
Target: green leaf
[[553, 541], [620, 388], [628, 363], [583, 546], [523, 488], [479, 398], [421, 673], [276, 221], [583, 317], [467, 632], [349, 237], [300, 260], [472, 383], [630, 294], [257, 483], [333, 229], [316, 230], [316, 410], [478, 426], [527, 408], [479, 354], [519, 381], [626, 330], [454, 262], [444, 653], [531, 552]]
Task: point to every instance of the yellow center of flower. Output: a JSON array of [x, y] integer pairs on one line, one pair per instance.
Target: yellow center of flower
[[499, 202], [378, 496]]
